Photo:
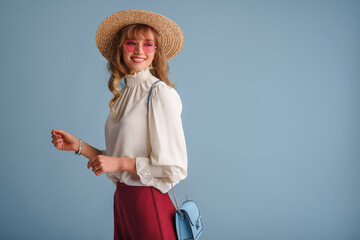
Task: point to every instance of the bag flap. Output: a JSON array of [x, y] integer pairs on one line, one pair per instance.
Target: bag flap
[[191, 210]]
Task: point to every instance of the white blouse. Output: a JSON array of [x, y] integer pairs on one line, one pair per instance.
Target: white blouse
[[160, 149]]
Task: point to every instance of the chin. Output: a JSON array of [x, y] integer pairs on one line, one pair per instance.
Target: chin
[[139, 68]]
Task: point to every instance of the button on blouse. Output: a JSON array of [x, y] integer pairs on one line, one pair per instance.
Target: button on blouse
[[155, 137]]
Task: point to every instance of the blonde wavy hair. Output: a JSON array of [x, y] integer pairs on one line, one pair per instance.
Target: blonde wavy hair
[[117, 67]]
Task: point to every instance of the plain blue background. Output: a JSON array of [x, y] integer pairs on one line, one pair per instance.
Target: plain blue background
[[270, 93]]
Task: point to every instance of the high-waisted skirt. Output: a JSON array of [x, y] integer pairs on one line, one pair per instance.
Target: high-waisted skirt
[[143, 213]]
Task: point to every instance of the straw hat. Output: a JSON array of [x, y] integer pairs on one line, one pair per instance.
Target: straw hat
[[171, 35]]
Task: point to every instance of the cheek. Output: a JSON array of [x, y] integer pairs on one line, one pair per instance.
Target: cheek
[[151, 57], [124, 54]]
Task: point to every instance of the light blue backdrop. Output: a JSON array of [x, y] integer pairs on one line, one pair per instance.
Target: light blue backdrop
[[270, 93]]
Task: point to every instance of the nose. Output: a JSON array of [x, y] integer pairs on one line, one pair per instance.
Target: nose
[[138, 49]]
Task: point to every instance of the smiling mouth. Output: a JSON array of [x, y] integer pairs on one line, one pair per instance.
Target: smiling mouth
[[137, 60]]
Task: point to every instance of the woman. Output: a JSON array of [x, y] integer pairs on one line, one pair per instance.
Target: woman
[[145, 145]]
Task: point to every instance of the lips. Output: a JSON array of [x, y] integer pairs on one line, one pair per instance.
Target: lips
[[138, 59]]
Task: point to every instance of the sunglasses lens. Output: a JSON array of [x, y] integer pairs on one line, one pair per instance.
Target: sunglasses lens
[[148, 46], [130, 45]]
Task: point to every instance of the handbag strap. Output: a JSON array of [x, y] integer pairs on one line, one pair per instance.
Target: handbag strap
[[176, 202]]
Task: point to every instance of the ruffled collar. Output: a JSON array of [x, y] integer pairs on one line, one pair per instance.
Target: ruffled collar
[[138, 77]]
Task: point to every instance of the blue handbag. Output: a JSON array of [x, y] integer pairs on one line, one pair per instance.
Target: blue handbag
[[188, 220]]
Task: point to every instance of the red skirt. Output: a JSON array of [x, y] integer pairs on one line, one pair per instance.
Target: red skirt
[[143, 212]]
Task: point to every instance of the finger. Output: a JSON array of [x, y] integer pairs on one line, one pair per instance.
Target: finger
[[58, 145], [96, 168], [55, 131], [94, 163], [90, 161], [59, 131], [56, 136], [99, 172], [88, 164], [53, 136], [57, 141]]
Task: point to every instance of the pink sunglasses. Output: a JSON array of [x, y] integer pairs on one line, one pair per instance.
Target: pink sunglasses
[[148, 46]]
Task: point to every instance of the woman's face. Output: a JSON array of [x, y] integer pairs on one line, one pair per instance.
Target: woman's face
[[135, 58]]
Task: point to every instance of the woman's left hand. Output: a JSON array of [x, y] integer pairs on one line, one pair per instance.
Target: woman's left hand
[[104, 164]]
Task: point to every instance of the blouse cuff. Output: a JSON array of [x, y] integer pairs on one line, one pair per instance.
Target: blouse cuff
[[147, 171]]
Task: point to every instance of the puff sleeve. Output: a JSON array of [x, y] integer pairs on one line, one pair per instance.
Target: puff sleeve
[[168, 158]]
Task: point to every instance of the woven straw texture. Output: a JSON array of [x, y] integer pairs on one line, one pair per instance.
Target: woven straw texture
[[171, 35]]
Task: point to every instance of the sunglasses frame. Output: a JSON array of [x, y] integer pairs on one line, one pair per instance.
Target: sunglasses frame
[[124, 44]]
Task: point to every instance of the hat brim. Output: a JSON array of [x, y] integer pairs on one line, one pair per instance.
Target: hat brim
[[171, 35]]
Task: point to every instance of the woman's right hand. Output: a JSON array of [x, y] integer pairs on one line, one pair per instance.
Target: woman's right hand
[[64, 141]]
